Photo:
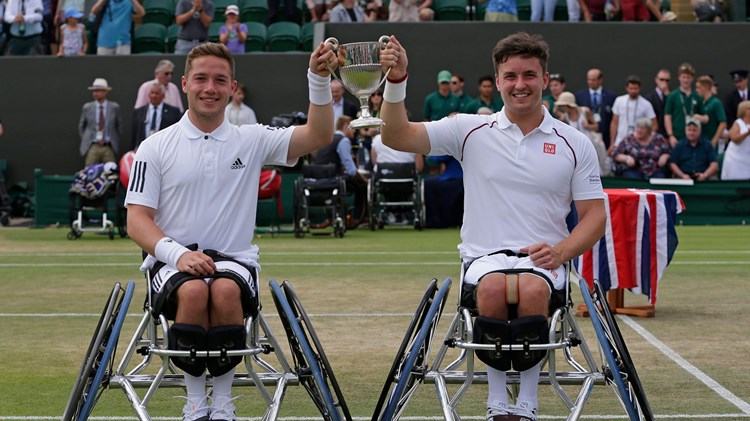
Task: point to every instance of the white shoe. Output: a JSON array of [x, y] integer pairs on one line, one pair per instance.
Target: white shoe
[[195, 411], [525, 410], [223, 410], [498, 411]]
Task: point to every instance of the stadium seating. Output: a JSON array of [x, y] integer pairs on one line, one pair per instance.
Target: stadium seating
[[253, 11], [283, 36], [159, 11], [220, 6], [307, 35], [213, 31], [449, 9], [257, 35], [150, 38], [172, 31]]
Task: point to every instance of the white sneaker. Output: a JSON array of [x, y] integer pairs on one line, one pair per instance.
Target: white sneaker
[[223, 410], [195, 411], [497, 412], [525, 410]]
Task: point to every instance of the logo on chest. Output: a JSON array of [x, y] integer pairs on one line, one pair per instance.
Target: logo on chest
[[238, 165], [549, 148]]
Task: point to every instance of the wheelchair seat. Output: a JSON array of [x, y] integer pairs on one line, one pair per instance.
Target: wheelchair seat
[[319, 200], [395, 188]]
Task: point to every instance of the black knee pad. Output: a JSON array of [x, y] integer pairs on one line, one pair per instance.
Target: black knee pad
[[186, 337], [228, 338], [529, 330], [495, 332]]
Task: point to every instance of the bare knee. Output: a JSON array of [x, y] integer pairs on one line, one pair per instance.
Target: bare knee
[[491, 296], [534, 294], [193, 295], [224, 291]]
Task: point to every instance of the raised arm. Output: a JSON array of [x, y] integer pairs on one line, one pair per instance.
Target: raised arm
[[398, 132]]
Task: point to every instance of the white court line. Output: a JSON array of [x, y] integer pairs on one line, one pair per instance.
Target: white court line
[[708, 381], [411, 418], [312, 315]]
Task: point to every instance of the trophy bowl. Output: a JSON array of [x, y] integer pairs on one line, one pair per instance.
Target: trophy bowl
[[361, 74]]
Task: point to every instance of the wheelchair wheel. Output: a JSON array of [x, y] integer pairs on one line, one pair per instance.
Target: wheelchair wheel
[[311, 371], [410, 365], [97, 364], [619, 370]]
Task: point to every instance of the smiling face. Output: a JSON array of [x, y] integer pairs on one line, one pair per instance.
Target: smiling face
[[208, 86], [521, 81]]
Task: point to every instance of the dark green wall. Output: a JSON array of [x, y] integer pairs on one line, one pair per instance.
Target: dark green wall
[[41, 97]]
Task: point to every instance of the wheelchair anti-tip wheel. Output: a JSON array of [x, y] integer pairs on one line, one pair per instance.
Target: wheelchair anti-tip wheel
[[409, 367], [313, 369], [619, 369], [93, 377]]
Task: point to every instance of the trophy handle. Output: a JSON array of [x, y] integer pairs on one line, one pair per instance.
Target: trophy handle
[[335, 47], [384, 40]]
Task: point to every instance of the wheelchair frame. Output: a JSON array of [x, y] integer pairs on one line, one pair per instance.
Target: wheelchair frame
[[377, 204], [310, 367], [303, 207], [81, 208], [412, 366]]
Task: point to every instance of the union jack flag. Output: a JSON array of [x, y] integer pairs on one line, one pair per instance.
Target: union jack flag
[[639, 241]]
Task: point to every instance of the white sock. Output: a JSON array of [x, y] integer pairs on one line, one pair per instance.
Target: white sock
[[196, 387], [497, 385], [222, 390], [530, 386]]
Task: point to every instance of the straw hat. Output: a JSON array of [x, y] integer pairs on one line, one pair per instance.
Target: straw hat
[[567, 98], [100, 83]]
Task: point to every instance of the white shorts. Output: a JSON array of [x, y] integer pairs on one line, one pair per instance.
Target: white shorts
[[497, 262], [162, 276]]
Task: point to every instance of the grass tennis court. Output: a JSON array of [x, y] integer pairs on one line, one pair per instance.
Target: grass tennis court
[[360, 291]]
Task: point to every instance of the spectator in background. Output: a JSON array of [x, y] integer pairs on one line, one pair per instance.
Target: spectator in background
[[714, 119], [73, 39], [155, 116], [636, 10], [595, 10], [233, 33], [599, 101], [658, 97], [442, 102], [410, 11], [709, 10], [25, 20], [738, 94], [114, 36], [100, 126], [486, 88], [291, 13], [318, 10], [556, 87], [682, 104], [162, 74], [384, 154], [348, 11], [627, 110], [545, 7], [736, 164], [444, 194], [237, 112], [693, 157], [500, 11], [582, 119], [457, 88], [194, 18], [642, 154], [341, 104]]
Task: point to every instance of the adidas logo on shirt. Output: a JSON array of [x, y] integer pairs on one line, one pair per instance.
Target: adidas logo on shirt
[[238, 165]]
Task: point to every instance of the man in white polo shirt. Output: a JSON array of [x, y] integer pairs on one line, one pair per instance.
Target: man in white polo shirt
[[196, 182], [522, 169]]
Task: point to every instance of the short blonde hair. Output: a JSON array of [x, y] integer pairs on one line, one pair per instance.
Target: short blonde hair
[[209, 49], [742, 108]]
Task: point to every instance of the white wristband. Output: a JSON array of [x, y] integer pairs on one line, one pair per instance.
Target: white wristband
[[394, 92], [169, 251], [320, 88]]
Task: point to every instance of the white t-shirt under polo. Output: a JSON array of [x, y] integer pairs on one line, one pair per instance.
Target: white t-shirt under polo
[[628, 112], [204, 186], [517, 189]]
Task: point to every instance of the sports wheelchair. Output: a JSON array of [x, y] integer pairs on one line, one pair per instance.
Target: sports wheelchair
[[94, 197], [413, 366], [395, 188], [320, 201], [308, 367]]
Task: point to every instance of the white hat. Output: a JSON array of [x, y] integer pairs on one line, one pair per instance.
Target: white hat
[[100, 83], [567, 98], [232, 10]]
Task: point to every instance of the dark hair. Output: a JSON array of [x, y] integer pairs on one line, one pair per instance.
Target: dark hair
[[521, 44], [487, 77], [633, 79], [556, 76], [209, 49]]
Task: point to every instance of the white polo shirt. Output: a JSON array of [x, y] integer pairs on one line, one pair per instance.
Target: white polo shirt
[[517, 189], [204, 186]]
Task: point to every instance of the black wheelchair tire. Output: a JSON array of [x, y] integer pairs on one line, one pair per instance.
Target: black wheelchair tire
[[306, 364], [411, 366], [619, 371], [93, 353]]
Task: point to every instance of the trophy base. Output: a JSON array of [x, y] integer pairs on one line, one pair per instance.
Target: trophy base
[[365, 122]]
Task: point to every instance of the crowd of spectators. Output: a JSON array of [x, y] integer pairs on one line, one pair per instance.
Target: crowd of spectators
[[60, 27]]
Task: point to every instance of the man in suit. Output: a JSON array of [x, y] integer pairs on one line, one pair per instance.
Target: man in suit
[[599, 100], [100, 126], [154, 116], [658, 98], [733, 99], [342, 105]]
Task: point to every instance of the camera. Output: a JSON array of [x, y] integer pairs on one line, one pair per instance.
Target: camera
[[294, 118]]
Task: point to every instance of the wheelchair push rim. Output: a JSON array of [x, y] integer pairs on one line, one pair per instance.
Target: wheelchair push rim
[[619, 369], [306, 362], [410, 377]]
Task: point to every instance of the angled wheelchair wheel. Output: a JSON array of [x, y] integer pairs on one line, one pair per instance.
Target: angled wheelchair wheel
[[410, 365], [619, 369], [313, 373], [97, 364]]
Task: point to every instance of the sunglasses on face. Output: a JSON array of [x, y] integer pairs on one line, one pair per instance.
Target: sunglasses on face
[[664, 79], [168, 73]]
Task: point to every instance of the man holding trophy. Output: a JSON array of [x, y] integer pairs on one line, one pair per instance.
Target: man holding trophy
[[522, 169], [196, 182]]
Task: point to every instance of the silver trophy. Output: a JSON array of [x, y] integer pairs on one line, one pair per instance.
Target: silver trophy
[[361, 74]]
